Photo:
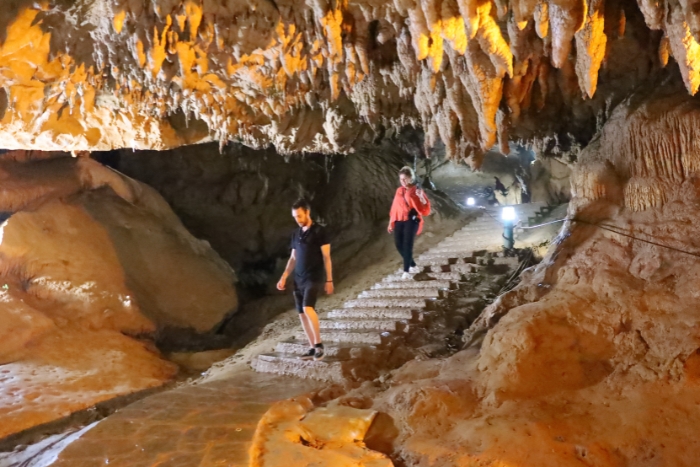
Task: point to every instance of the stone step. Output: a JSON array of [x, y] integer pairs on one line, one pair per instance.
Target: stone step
[[466, 236], [435, 261], [398, 293], [404, 302], [478, 225], [359, 324], [461, 246], [511, 261], [469, 234], [477, 228], [299, 347], [442, 276], [375, 313], [329, 369], [464, 268], [467, 243], [369, 337], [449, 256], [413, 284]]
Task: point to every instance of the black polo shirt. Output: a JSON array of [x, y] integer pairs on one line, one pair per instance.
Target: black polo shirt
[[309, 259]]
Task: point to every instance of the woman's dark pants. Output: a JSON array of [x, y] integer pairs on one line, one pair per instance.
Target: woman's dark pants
[[404, 235]]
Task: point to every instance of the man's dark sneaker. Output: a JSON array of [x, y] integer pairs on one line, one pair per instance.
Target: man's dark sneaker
[[311, 353], [319, 353]]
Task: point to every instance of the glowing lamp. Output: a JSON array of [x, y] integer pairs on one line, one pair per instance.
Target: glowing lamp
[[508, 216], [470, 201], [508, 213]]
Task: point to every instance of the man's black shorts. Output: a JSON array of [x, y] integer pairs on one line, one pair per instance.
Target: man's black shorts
[[306, 293]]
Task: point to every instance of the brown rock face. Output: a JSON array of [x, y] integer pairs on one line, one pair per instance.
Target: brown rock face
[[91, 261], [323, 76], [601, 338], [594, 360]]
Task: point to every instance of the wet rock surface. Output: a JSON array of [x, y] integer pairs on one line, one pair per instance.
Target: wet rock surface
[[209, 424]]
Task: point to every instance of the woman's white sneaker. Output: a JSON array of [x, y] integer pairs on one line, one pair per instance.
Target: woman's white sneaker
[[414, 269], [407, 275]]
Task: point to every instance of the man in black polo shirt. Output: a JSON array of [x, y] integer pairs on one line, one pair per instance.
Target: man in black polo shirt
[[310, 258]]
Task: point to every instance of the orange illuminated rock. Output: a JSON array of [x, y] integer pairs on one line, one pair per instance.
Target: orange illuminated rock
[[593, 359], [290, 433], [88, 258], [315, 76]]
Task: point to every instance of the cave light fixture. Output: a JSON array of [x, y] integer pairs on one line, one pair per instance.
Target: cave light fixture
[[508, 216], [470, 201]]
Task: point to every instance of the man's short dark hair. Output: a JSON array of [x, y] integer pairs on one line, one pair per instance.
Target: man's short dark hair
[[301, 203]]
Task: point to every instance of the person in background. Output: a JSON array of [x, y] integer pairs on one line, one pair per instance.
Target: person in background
[[310, 259], [406, 218]]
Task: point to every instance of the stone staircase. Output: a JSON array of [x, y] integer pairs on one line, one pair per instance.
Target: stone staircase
[[533, 214], [382, 328]]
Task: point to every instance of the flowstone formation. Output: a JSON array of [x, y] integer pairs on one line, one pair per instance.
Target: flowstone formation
[[322, 76], [92, 265]]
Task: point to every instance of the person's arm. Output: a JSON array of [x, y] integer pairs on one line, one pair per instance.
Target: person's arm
[[421, 196], [392, 217], [287, 271], [421, 202], [326, 251]]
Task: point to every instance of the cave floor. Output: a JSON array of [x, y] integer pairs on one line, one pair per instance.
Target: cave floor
[[208, 424]]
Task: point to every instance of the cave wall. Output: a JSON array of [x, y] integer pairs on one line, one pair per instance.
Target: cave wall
[[593, 359], [93, 267], [240, 199], [550, 181]]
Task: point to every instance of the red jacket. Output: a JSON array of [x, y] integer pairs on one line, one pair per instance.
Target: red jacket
[[404, 200]]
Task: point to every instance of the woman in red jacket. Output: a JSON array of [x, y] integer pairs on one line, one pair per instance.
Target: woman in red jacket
[[406, 218]]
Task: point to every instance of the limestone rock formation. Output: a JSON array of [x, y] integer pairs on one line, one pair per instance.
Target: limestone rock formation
[[322, 76], [92, 264], [593, 358], [288, 434]]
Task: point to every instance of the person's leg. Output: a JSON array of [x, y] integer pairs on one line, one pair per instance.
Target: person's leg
[[398, 237], [310, 296], [311, 323], [308, 328], [409, 237], [402, 229], [299, 301]]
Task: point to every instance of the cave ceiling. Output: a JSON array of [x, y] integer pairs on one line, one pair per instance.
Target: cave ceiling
[[324, 76]]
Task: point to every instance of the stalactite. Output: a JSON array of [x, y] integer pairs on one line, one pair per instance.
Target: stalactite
[[664, 51], [485, 86], [453, 29], [492, 42], [685, 50], [248, 68], [590, 47], [566, 17], [542, 19]]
